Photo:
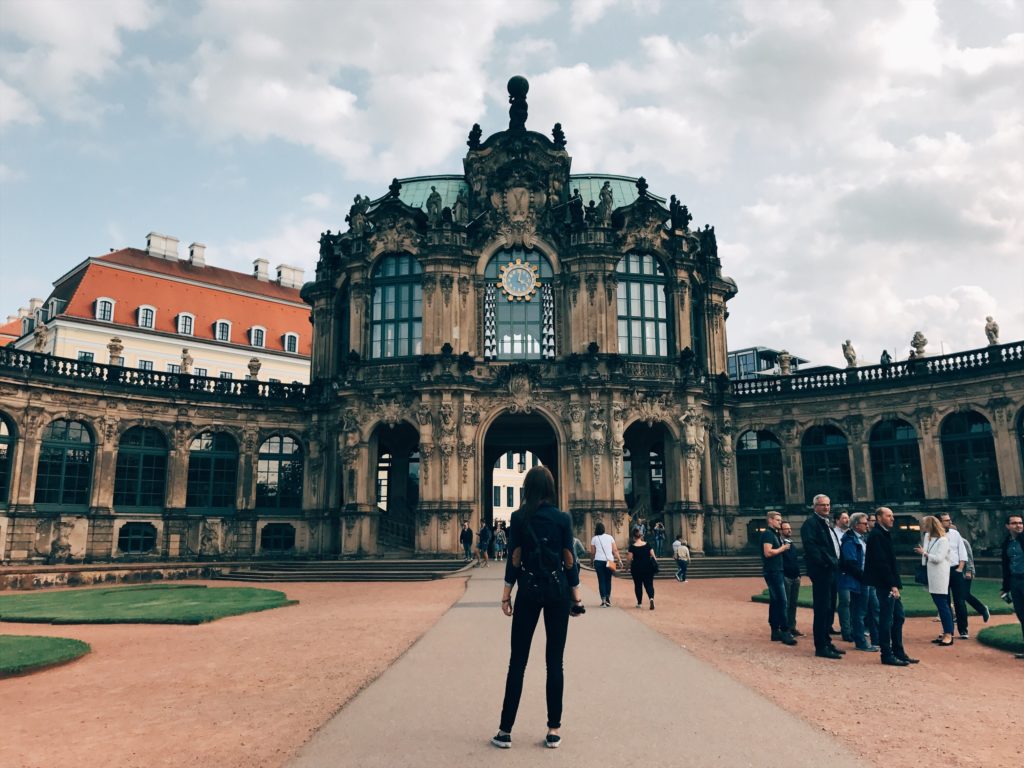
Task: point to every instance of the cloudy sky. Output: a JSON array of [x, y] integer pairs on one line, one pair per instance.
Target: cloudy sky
[[862, 162]]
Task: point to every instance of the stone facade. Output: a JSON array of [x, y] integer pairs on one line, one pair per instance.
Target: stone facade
[[513, 307]]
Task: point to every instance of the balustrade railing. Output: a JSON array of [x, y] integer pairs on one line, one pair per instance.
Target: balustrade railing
[[974, 361], [32, 364]]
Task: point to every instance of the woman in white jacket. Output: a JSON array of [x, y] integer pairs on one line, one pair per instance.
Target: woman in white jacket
[[934, 552]]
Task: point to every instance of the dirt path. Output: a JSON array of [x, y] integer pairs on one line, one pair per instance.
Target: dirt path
[[957, 708], [242, 692]]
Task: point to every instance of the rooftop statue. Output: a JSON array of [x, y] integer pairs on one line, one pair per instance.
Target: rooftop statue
[[919, 342], [558, 136], [518, 87], [850, 354], [604, 208], [992, 330], [576, 207], [886, 358], [680, 214], [474, 136], [460, 211], [434, 207], [708, 241]]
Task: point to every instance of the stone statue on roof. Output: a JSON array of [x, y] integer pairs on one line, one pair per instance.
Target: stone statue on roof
[[558, 136], [518, 87], [604, 208], [186, 361], [919, 342], [680, 214], [850, 354], [991, 330], [460, 211], [576, 214], [434, 207]]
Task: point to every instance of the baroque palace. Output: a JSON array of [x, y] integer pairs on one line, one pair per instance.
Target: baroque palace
[[514, 307]]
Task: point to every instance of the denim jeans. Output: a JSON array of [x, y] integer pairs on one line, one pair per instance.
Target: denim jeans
[[945, 614], [958, 591], [869, 610], [792, 595], [857, 602], [681, 566], [469, 551], [845, 614], [604, 579], [777, 611], [524, 622]]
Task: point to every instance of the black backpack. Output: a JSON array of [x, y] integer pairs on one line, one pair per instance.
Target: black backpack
[[543, 581]]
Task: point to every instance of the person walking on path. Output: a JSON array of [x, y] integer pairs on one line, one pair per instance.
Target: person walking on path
[[882, 572], [791, 577], [851, 576], [483, 544], [466, 539], [500, 541], [772, 549], [969, 574], [681, 553], [1012, 552], [602, 552], [957, 565], [659, 537], [822, 560], [934, 552], [641, 568], [539, 534]]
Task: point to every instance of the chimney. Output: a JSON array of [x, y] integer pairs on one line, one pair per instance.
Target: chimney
[[22, 313], [197, 255], [162, 246], [289, 277], [260, 271], [34, 305], [12, 318]]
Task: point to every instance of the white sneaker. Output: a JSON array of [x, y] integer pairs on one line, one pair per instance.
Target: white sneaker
[[502, 740]]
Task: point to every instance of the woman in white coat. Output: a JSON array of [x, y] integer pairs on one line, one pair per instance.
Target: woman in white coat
[[934, 552]]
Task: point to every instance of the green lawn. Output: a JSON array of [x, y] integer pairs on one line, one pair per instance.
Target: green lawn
[[156, 604], [1006, 637], [916, 600], [26, 653]]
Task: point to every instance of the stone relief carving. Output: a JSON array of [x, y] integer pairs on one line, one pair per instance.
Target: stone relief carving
[[209, 538], [464, 283], [394, 233], [447, 281], [597, 438], [390, 411], [591, 281]]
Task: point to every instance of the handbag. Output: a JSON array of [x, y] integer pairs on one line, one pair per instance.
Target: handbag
[[610, 564], [921, 575], [654, 563]]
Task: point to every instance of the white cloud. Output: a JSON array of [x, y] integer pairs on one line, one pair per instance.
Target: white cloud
[[14, 107], [317, 200], [9, 175], [67, 46]]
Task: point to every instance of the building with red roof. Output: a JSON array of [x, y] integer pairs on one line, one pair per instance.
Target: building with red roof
[[152, 310]]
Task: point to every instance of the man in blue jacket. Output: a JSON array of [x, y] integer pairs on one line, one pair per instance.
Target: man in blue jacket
[[851, 576]]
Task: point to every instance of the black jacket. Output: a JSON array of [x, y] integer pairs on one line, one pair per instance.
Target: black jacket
[[880, 568], [791, 562], [1005, 551], [819, 547]]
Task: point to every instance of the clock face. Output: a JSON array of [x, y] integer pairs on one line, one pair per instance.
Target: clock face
[[518, 280]]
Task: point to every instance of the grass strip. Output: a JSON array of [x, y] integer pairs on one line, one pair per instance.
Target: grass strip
[[917, 601], [1006, 637], [27, 653], [154, 604]]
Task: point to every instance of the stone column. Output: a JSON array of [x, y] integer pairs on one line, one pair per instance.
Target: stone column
[[933, 470], [104, 459], [1008, 447]]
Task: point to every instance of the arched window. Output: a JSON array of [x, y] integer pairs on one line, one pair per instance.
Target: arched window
[[969, 455], [212, 471], [759, 469], [279, 474], [277, 537], [896, 462], [136, 538], [105, 309], [519, 307], [826, 464], [6, 459], [64, 477], [642, 306], [291, 343], [141, 472], [396, 320]]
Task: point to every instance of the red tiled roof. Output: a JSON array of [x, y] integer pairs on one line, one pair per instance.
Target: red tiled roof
[[208, 302], [10, 332]]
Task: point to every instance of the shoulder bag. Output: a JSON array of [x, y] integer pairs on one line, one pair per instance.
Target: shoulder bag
[[609, 563]]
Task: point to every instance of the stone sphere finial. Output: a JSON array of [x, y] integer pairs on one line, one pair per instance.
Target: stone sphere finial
[[518, 87]]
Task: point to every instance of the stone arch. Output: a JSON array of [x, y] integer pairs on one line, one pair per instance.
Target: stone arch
[[547, 250], [381, 253], [166, 430]]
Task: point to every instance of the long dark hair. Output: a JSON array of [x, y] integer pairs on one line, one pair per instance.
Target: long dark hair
[[538, 487]]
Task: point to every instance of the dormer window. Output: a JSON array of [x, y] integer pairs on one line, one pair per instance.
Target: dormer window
[[257, 336], [147, 316], [105, 309], [222, 330], [186, 322], [291, 342]]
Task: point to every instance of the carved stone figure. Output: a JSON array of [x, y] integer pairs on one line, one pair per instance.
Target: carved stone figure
[[434, 204], [785, 363], [115, 348], [708, 241], [518, 87], [991, 330], [919, 342], [473, 142], [208, 539], [42, 338], [680, 214], [576, 213], [886, 358], [460, 211], [254, 367], [357, 216], [60, 547], [604, 208], [850, 354], [558, 136]]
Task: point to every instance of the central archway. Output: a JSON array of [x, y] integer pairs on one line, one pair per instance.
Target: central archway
[[525, 436]]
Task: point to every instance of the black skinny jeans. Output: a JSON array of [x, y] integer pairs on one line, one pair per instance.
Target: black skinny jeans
[[642, 581], [524, 621]]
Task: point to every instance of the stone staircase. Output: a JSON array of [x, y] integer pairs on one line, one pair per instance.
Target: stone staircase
[[717, 567], [387, 569]]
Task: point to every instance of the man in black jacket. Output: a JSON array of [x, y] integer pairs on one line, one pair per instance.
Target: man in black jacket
[[882, 572], [822, 560], [1013, 566], [791, 574]]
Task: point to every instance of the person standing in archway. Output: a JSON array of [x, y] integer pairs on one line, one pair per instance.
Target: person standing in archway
[[542, 566], [483, 544]]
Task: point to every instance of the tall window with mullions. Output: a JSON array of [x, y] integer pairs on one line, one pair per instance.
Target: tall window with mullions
[[642, 306], [969, 456], [64, 477], [759, 469], [519, 308], [396, 319], [212, 471], [6, 459], [896, 462], [141, 471], [826, 460], [279, 474]]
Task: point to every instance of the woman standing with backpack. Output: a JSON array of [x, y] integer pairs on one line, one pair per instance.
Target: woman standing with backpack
[[541, 563]]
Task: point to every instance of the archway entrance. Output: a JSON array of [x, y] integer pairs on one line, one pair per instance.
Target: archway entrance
[[397, 486], [514, 443], [646, 477]]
